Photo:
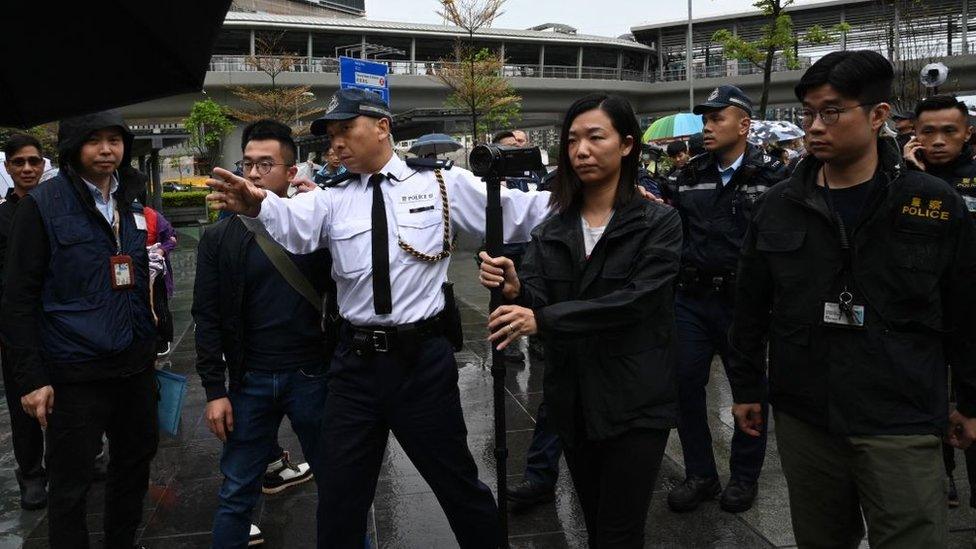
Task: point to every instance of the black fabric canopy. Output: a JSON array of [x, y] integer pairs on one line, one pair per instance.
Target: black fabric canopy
[[64, 59]]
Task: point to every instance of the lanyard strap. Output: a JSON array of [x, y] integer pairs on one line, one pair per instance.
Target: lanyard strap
[[116, 228], [845, 245]]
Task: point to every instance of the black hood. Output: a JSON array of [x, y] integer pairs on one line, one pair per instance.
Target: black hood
[[73, 132]]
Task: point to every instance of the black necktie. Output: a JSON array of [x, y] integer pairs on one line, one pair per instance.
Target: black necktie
[[382, 301]]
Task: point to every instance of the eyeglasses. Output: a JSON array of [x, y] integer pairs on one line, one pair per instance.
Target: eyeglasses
[[34, 161], [829, 115], [264, 167]]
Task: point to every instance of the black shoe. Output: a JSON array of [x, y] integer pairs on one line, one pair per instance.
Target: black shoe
[[283, 474], [33, 492], [738, 496], [528, 494], [101, 466], [688, 495], [953, 494]]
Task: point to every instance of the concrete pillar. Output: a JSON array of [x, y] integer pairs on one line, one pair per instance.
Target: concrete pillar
[[965, 27], [620, 65], [309, 52], [579, 62], [252, 42], [843, 35], [542, 60], [501, 55], [896, 49], [362, 51], [660, 54], [647, 66]]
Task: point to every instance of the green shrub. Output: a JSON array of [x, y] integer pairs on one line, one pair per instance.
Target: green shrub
[[184, 199]]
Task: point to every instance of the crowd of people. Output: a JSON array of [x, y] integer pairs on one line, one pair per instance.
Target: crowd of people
[[833, 278]]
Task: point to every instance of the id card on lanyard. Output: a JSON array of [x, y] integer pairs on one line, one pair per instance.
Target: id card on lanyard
[[120, 265], [844, 312]]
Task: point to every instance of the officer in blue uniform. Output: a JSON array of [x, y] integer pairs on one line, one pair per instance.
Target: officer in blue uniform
[[389, 230], [715, 193]]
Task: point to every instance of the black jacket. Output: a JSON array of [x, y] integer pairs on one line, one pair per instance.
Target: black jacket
[[29, 254], [7, 209], [914, 262], [607, 322], [219, 303], [961, 174], [715, 217]]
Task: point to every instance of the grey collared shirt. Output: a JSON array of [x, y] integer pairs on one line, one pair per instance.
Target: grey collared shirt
[[106, 207]]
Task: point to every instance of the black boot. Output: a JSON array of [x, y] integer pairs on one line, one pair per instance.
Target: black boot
[[527, 494], [688, 495], [33, 492], [738, 496]]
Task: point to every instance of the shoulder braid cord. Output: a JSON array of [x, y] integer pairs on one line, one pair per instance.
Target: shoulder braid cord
[[448, 242]]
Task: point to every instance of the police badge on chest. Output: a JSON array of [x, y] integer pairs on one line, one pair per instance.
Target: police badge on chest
[[120, 269]]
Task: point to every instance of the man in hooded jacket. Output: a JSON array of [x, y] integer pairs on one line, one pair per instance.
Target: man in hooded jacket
[[77, 316]]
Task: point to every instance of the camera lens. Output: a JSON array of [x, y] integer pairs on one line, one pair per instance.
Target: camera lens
[[481, 160]]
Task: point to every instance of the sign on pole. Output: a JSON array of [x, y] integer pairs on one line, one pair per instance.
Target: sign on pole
[[365, 75]]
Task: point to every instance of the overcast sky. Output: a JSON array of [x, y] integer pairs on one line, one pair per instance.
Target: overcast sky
[[600, 17]]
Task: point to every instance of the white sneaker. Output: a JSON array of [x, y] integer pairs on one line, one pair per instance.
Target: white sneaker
[[283, 474], [257, 538]]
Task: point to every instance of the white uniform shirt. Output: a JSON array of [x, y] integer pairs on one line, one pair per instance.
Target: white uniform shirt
[[339, 218]]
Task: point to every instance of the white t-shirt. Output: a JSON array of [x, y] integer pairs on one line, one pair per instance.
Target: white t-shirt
[[591, 235]]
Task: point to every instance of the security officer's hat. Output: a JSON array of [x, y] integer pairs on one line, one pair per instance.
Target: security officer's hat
[[725, 96], [348, 104]]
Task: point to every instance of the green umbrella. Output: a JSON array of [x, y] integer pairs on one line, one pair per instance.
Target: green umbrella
[[673, 125]]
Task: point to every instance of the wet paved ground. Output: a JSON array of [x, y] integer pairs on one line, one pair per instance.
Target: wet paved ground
[[185, 477]]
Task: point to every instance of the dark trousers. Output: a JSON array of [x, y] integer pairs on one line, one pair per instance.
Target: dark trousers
[[417, 398], [703, 323], [259, 405], [28, 439], [542, 458], [614, 480], [125, 410]]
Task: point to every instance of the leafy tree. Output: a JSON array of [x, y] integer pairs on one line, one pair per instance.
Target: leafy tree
[[474, 75], [46, 134], [777, 37], [208, 125]]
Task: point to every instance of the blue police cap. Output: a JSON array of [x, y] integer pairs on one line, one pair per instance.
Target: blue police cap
[[348, 104], [725, 96]]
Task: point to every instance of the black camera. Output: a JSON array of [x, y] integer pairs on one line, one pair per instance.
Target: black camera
[[501, 161]]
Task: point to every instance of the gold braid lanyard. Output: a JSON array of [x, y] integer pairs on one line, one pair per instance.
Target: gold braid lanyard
[[448, 243]]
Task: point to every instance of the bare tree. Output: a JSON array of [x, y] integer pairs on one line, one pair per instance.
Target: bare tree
[[290, 105], [468, 90]]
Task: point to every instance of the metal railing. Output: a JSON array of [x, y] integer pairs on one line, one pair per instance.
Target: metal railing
[[675, 72]]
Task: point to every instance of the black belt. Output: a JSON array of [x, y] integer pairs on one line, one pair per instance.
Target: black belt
[[692, 277], [383, 339]]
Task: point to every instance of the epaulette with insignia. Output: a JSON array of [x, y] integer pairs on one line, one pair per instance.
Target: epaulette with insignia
[[339, 179], [418, 163]]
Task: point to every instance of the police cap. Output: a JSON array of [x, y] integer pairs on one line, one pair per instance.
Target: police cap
[[725, 96], [348, 104]]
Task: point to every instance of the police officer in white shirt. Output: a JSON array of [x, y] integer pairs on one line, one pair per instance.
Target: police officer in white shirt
[[389, 231]]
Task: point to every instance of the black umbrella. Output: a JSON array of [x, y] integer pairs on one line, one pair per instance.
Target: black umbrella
[[71, 58]]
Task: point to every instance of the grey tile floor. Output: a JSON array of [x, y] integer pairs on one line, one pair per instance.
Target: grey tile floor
[[185, 477]]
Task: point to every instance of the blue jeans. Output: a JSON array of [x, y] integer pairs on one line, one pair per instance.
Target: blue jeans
[[259, 405], [703, 322]]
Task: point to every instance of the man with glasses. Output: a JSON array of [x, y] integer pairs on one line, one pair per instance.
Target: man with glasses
[[259, 324], [25, 164], [715, 193], [858, 273]]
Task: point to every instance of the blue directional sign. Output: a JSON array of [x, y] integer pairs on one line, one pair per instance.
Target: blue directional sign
[[365, 75]]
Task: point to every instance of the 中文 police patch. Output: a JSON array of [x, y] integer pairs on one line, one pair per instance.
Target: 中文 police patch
[[929, 209]]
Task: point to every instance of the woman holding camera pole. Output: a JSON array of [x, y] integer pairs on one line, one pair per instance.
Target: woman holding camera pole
[[597, 283]]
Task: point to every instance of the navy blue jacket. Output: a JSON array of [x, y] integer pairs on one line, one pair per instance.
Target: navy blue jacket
[[715, 217], [61, 320]]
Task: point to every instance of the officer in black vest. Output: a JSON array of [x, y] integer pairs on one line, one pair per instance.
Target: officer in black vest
[[76, 313], [715, 193]]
